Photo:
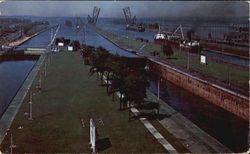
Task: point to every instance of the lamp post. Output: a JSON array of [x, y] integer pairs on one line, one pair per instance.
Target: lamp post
[[30, 107], [45, 68], [158, 97], [12, 145], [40, 82], [158, 90], [30, 111], [188, 60]]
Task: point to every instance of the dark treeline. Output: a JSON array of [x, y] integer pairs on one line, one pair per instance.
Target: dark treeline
[[124, 75]]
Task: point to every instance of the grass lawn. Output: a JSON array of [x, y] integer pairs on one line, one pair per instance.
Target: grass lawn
[[69, 94], [220, 71], [214, 69], [122, 40]]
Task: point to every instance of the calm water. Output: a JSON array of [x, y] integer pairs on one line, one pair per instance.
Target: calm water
[[227, 128], [12, 75], [40, 41]]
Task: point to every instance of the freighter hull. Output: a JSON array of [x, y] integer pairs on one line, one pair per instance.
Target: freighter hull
[[135, 28], [166, 42], [177, 45]]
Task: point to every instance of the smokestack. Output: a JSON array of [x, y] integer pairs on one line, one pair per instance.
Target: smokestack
[[189, 35]]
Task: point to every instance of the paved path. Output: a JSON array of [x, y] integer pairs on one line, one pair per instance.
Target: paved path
[[142, 47], [155, 133], [10, 113]]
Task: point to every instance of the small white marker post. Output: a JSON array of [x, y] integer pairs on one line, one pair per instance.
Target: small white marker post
[[92, 135], [30, 111], [70, 48], [203, 59], [61, 44]]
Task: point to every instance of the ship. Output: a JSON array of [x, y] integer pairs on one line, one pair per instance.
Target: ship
[[131, 22], [139, 28], [177, 40]]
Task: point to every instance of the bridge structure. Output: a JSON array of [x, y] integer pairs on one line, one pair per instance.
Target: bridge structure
[[128, 16], [92, 20]]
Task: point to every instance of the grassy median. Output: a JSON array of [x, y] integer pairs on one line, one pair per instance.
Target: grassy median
[[69, 94]]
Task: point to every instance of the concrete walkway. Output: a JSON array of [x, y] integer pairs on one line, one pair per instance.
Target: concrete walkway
[[154, 132], [190, 135], [10, 113]]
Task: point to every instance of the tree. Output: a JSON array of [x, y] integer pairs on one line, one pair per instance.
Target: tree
[[135, 86], [88, 53], [167, 50], [127, 75], [117, 78], [99, 62], [76, 45]]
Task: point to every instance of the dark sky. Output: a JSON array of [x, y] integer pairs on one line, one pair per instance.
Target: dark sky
[[114, 9]]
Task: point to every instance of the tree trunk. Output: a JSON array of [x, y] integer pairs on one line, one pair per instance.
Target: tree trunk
[[97, 76], [129, 111], [107, 87], [120, 101], [129, 115], [113, 96], [101, 78], [107, 83]]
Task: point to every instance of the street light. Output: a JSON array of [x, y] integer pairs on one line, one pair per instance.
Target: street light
[[40, 81], [158, 96], [12, 145], [30, 106]]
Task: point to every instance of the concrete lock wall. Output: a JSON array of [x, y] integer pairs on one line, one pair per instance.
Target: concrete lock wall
[[228, 101]]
